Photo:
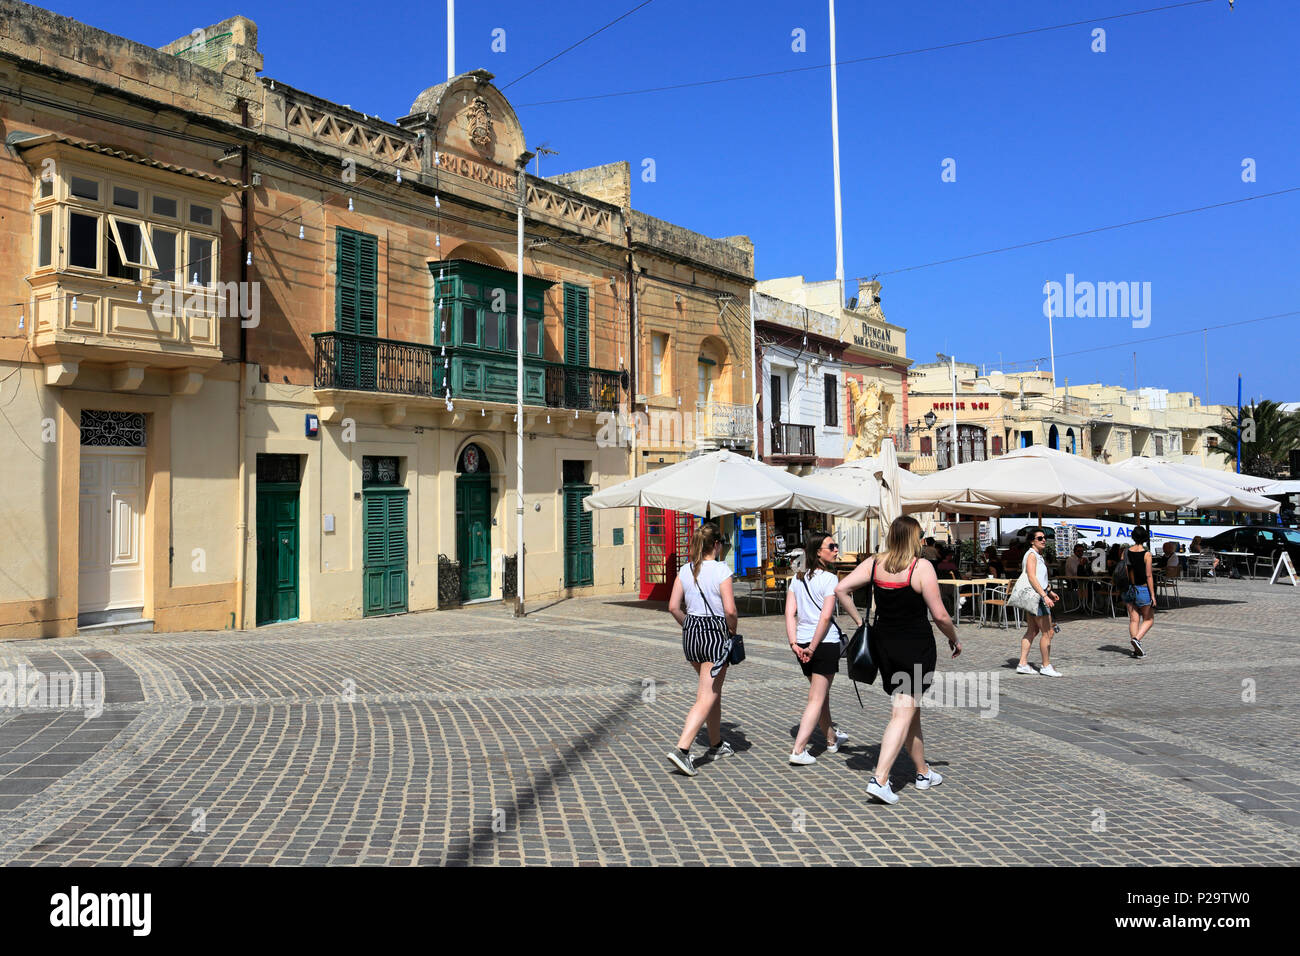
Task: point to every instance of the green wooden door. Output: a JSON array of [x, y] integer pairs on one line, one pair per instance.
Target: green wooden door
[[384, 544], [277, 553], [474, 536], [578, 571]]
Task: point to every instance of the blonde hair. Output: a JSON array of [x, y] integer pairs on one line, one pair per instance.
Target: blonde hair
[[902, 545], [703, 542]]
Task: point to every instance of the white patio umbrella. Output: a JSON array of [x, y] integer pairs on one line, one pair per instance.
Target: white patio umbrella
[[1209, 494], [857, 481], [723, 482], [1039, 478], [1250, 483]]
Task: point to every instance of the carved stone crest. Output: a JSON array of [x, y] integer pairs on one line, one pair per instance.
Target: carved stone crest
[[478, 123]]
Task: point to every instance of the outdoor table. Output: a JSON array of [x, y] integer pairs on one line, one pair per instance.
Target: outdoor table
[[979, 584], [1081, 579], [1245, 556]]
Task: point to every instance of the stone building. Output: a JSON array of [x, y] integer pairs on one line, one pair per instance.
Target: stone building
[[259, 349]]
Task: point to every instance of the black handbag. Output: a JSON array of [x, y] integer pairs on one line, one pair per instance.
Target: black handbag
[[862, 664]]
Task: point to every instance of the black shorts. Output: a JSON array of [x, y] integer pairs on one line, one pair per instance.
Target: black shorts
[[825, 660]]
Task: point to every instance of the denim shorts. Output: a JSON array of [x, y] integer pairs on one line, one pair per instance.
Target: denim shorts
[[1141, 595]]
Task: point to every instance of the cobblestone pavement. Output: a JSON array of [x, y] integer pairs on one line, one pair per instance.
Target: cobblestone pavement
[[467, 737]]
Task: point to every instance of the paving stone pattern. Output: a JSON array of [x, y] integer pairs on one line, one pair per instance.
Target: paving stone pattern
[[466, 737]]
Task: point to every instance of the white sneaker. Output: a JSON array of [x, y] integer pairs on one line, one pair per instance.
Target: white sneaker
[[1025, 669], [803, 758], [932, 779], [1049, 671], [838, 739], [885, 793]]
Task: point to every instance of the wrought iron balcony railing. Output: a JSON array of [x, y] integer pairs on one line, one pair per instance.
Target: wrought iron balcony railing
[[794, 441], [369, 364], [723, 421]]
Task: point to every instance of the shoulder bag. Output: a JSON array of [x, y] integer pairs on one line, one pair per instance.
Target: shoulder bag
[[862, 664], [1023, 594]]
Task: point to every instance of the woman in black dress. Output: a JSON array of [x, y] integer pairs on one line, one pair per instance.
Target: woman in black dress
[[904, 587]]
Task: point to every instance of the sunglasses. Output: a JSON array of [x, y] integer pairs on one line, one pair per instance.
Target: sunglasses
[[832, 547], [1040, 538]]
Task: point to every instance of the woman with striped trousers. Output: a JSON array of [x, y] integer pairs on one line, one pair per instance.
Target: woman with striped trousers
[[702, 602]]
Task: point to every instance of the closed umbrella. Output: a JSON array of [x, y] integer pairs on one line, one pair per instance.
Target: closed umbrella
[[723, 482], [887, 474]]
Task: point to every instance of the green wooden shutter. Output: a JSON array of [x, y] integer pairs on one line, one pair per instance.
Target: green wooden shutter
[[367, 285], [345, 285], [356, 307], [375, 532], [577, 341]]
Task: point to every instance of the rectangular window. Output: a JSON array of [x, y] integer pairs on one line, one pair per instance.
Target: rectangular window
[[200, 260], [164, 251], [83, 241], [126, 198], [45, 240], [46, 189], [468, 325], [164, 206], [200, 215], [131, 243], [492, 337], [534, 345], [775, 410], [84, 188], [446, 324], [658, 347], [512, 333], [577, 326], [927, 446], [832, 399]]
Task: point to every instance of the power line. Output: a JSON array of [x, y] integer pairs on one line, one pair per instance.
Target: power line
[[575, 45], [1085, 232], [862, 59]]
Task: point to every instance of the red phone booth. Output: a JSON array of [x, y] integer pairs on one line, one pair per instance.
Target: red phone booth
[[665, 545]]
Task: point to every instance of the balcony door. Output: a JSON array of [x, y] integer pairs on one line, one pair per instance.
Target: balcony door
[[356, 310]]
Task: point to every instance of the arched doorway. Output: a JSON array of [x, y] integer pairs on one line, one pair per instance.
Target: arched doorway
[[1053, 438], [1069, 441], [474, 523]]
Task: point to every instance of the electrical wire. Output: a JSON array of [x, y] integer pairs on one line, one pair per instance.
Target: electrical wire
[[574, 46], [867, 59]]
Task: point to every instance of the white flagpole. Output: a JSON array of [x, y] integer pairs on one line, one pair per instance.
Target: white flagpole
[[835, 143], [451, 38]]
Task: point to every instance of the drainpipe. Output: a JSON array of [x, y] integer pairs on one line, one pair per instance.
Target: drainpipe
[[634, 380], [241, 517]]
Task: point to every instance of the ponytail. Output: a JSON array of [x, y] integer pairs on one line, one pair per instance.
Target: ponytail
[[703, 542]]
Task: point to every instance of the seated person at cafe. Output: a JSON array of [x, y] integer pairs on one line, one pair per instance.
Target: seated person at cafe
[[946, 566], [1076, 564], [930, 552], [1196, 548], [995, 567], [1170, 561], [1113, 555]]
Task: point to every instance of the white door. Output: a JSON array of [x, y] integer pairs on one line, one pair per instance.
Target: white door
[[112, 529]]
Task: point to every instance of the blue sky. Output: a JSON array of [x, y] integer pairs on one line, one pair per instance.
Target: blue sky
[[1049, 138]]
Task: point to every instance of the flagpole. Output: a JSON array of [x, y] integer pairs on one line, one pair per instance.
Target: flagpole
[[451, 38], [835, 146]]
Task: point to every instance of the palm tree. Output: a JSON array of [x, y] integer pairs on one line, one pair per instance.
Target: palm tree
[[1275, 432]]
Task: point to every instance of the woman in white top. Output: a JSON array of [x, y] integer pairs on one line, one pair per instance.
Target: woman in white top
[[703, 603], [815, 638], [1034, 566]]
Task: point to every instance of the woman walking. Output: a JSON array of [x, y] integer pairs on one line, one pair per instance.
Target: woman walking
[[1034, 567], [904, 587], [709, 622], [815, 638], [1140, 598]]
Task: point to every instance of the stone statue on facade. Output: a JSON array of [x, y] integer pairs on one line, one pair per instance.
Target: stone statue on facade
[[872, 406]]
